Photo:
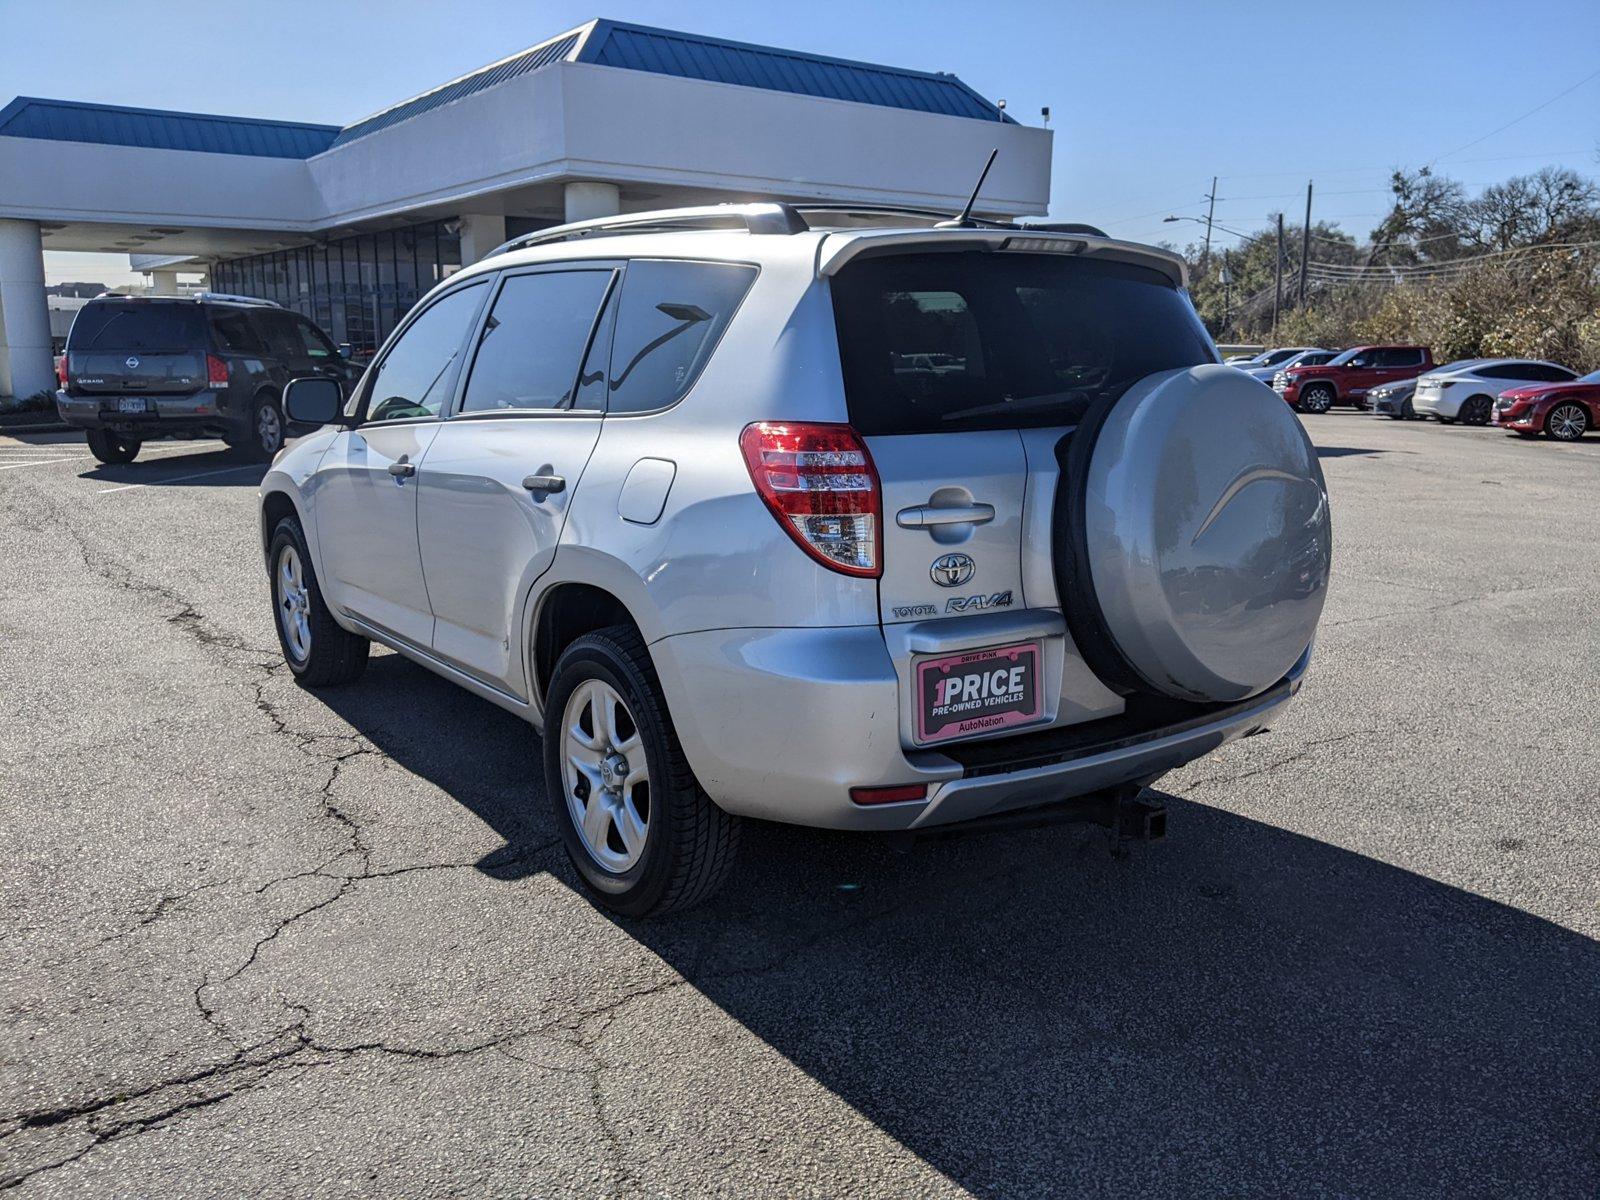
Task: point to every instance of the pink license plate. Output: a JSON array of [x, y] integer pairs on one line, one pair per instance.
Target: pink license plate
[[977, 692]]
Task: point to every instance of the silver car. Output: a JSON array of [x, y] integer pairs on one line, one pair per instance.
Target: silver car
[[884, 527]]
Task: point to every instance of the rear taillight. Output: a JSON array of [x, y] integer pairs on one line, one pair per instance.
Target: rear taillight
[[216, 371], [63, 376], [820, 483]]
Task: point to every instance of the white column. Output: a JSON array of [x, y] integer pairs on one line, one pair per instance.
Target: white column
[[585, 200], [26, 363], [164, 283], [480, 233]]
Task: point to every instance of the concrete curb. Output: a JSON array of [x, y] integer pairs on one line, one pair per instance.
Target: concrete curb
[[7, 427]]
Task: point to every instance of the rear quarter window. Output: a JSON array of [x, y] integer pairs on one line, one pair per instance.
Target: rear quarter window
[[138, 326], [669, 320], [943, 342]]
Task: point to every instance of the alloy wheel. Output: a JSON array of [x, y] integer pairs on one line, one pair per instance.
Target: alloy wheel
[[294, 603], [606, 775], [269, 428], [1566, 422]]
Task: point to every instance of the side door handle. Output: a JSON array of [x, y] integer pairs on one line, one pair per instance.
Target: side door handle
[[931, 516], [402, 469], [544, 484]]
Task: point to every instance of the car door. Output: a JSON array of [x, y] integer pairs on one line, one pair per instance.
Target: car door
[[494, 492], [1390, 365], [320, 355], [365, 496]]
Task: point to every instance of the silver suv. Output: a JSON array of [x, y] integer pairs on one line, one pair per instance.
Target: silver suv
[[846, 519]]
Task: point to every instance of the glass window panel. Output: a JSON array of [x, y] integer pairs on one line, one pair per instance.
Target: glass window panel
[[532, 342], [419, 371]]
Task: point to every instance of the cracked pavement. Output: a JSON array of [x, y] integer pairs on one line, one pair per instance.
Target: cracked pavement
[[261, 941]]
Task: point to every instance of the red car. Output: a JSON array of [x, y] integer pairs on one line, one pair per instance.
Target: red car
[[1347, 378], [1564, 411]]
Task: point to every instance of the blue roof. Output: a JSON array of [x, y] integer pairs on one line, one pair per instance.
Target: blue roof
[[509, 68], [601, 42], [692, 56], [155, 129]]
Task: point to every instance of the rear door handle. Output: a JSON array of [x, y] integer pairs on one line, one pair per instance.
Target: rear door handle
[[401, 469], [546, 484], [929, 516]]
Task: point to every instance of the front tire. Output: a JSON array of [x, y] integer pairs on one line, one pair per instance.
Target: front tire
[[1566, 422], [110, 448], [1476, 411], [1317, 398], [644, 836], [318, 650]]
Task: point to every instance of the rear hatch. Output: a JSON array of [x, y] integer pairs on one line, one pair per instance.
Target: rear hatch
[[140, 346], [963, 371]]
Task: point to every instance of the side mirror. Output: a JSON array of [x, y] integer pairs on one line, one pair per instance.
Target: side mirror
[[344, 350], [313, 400]]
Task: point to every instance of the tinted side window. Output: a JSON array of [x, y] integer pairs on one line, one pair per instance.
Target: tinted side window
[[671, 317], [1548, 374], [1397, 358], [1508, 371], [283, 339], [532, 343], [316, 342], [234, 334], [417, 374]]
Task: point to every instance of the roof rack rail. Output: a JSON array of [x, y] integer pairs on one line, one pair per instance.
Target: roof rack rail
[[764, 218], [229, 298]]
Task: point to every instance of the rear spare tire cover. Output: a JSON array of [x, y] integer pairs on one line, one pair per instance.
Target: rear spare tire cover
[[1207, 533]]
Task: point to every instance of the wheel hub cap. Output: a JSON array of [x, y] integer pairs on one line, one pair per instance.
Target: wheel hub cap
[[605, 775], [294, 603]]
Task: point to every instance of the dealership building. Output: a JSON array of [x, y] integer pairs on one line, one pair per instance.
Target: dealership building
[[351, 224]]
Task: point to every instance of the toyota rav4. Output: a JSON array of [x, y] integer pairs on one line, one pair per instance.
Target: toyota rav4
[[842, 519]]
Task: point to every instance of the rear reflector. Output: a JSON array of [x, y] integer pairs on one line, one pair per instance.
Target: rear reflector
[[820, 483], [216, 371], [889, 795]]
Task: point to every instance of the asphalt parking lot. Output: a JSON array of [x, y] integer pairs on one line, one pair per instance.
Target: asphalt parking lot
[[259, 941]]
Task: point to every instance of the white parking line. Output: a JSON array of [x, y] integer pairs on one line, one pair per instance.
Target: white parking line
[[199, 447], [128, 487]]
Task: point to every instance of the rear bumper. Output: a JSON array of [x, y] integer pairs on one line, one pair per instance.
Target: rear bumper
[[196, 414], [780, 724]]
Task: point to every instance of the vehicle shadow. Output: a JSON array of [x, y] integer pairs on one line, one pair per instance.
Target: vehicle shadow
[[1239, 1010], [1347, 451], [197, 468]]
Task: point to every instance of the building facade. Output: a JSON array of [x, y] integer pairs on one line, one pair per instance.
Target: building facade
[[351, 224]]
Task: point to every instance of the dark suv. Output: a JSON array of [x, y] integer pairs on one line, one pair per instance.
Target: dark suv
[[143, 367]]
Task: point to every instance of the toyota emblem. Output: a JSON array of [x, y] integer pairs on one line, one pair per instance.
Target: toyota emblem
[[952, 570]]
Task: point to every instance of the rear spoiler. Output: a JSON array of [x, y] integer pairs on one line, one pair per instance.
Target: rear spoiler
[[838, 249]]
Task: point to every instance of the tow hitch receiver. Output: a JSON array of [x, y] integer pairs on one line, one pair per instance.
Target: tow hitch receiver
[[1124, 811]]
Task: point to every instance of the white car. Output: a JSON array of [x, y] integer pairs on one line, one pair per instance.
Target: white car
[[1465, 392]]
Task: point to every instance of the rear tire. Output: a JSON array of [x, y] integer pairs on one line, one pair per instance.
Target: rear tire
[[688, 844], [1476, 410], [1317, 398], [263, 436], [110, 448], [1566, 422], [318, 650]]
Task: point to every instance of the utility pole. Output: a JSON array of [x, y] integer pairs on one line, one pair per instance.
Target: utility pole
[[1305, 247], [1211, 207], [1277, 300]]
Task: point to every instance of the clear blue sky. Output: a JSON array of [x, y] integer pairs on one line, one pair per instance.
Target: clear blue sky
[[1149, 100]]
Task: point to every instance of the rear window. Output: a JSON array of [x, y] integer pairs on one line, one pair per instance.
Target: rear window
[[963, 341], [134, 325]]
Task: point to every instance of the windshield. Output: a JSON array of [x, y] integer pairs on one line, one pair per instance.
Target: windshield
[[952, 341], [1591, 377], [1273, 357], [1339, 360], [1460, 364]]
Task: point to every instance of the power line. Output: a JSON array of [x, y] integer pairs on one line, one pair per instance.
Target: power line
[[1517, 120]]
